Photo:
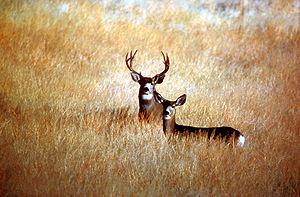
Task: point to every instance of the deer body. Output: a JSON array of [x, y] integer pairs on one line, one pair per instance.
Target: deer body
[[226, 134], [149, 109]]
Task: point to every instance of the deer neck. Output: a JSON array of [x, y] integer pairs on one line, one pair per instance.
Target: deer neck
[[169, 125], [146, 101]]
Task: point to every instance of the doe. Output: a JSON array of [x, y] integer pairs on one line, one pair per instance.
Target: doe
[[226, 134]]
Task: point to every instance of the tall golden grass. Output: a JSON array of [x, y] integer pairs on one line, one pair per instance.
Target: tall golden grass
[[68, 106]]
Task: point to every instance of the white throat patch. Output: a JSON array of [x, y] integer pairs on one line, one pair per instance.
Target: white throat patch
[[147, 96], [241, 141]]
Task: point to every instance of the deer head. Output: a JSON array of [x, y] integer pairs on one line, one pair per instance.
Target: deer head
[[147, 84], [169, 106]]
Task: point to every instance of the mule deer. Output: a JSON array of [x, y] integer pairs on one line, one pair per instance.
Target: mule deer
[[149, 109], [227, 134]]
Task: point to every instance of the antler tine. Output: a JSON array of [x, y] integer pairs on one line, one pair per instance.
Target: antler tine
[[166, 62], [163, 55], [130, 59], [135, 53]]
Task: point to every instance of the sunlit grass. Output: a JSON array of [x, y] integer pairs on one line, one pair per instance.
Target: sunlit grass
[[68, 106]]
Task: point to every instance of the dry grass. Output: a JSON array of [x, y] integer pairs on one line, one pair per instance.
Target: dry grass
[[68, 107]]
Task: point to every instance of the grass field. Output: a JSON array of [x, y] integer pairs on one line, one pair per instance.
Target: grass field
[[68, 106]]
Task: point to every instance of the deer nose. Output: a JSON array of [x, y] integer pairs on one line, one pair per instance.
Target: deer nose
[[146, 89], [167, 113]]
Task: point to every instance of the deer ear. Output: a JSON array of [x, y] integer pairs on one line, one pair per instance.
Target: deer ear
[[158, 98], [158, 79], [181, 100], [135, 76]]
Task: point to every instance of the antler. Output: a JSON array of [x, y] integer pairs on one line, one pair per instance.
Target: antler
[[166, 62], [131, 57]]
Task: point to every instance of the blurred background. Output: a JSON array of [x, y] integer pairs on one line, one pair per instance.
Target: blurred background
[[68, 106]]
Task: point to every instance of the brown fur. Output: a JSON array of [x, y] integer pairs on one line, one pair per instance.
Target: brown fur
[[224, 133]]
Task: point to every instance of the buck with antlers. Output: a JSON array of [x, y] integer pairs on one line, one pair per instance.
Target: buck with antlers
[[226, 134], [149, 109]]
